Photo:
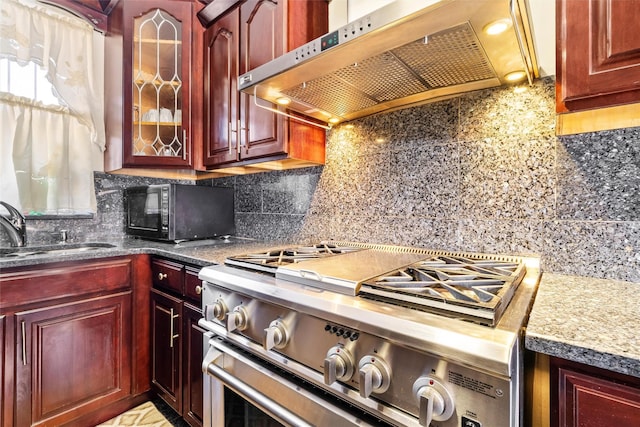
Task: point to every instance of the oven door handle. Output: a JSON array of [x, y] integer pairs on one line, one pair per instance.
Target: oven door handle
[[209, 366], [212, 356]]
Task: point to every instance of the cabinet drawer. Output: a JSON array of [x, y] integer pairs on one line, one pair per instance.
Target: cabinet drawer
[[167, 275], [54, 281], [192, 285]]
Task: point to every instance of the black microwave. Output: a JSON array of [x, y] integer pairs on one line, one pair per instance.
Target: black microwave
[[175, 212]]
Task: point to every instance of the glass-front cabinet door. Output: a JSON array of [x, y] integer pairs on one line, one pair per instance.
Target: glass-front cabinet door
[[157, 99]]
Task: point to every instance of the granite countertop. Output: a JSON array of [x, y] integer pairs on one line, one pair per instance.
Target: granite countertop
[[200, 253], [587, 320], [582, 319]]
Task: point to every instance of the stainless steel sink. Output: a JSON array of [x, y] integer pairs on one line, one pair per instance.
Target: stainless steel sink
[[59, 249]]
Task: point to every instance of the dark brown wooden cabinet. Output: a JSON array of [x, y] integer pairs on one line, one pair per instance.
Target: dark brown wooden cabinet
[[74, 349], [72, 359], [177, 340], [166, 348], [222, 44], [192, 403], [598, 62], [261, 40], [4, 410], [154, 110], [239, 133], [585, 396]]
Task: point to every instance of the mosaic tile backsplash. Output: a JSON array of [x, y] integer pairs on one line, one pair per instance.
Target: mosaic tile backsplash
[[483, 172]]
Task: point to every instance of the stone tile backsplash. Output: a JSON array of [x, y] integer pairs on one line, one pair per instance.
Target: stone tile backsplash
[[108, 222], [599, 176], [483, 172]]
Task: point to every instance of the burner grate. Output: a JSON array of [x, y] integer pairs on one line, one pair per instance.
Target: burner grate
[[473, 288], [270, 260], [452, 278]]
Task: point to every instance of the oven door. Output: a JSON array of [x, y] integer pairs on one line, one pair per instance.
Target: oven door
[[281, 397]]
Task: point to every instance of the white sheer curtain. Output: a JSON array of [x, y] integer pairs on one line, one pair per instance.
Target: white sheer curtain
[[49, 153]]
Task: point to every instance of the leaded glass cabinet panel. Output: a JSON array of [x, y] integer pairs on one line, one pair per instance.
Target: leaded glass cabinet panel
[[157, 44], [157, 86]]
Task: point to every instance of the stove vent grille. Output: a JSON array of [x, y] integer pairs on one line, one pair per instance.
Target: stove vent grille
[[530, 262], [448, 58]]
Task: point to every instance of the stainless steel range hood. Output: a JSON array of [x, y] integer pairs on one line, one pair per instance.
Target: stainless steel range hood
[[408, 52]]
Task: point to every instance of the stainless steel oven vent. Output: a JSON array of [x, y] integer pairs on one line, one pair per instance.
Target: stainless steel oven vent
[[448, 58], [405, 53]]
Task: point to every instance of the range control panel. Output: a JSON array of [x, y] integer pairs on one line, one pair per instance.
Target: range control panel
[[341, 331], [372, 368]]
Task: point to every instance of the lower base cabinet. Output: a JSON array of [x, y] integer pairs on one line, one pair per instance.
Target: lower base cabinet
[[176, 355], [80, 343], [193, 351], [80, 358], [586, 396], [74, 349], [166, 348]]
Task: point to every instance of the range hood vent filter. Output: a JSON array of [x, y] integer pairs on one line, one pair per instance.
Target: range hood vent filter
[[448, 58], [405, 53]]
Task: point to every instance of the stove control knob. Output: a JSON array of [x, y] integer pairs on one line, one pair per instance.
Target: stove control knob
[[217, 310], [276, 335], [434, 400], [338, 365], [375, 375], [237, 319]]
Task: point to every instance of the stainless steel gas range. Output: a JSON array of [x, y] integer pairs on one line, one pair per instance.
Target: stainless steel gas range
[[342, 333]]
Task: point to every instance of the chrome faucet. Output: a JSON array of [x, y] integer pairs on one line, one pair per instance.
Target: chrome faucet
[[15, 224]]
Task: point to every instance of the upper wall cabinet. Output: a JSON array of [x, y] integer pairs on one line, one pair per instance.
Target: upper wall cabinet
[[222, 47], [598, 65], [159, 87], [151, 120], [239, 133]]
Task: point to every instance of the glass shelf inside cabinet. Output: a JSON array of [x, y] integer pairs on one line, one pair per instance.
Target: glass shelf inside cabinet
[[157, 86]]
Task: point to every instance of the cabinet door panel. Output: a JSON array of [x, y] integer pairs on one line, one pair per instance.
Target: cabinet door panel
[[72, 358], [5, 375], [166, 375], [221, 56], [263, 29], [590, 401], [157, 67], [193, 398], [598, 53], [617, 42]]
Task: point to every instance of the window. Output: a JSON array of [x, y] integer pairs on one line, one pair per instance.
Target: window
[[51, 109], [28, 81]]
